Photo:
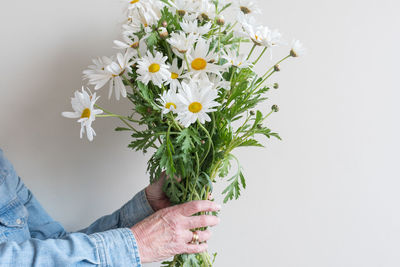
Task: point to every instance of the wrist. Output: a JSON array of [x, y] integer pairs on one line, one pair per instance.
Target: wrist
[[152, 201], [138, 234]]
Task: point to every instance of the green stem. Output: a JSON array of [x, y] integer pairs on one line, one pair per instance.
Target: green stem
[[277, 63], [128, 124], [117, 116], [262, 53], [210, 142], [251, 51], [128, 82], [122, 118], [187, 62]]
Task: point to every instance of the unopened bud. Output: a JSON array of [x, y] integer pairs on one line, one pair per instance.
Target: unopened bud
[[245, 10], [277, 68], [252, 113], [181, 13], [182, 51], [221, 20], [276, 85], [259, 126], [203, 142], [163, 32], [164, 24], [135, 45], [205, 16], [275, 108], [149, 110], [293, 53]]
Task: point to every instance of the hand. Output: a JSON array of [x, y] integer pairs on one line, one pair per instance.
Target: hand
[[167, 232], [156, 196]]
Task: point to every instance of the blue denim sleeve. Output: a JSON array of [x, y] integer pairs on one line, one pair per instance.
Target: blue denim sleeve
[[115, 247], [128, 215], [106, 242]]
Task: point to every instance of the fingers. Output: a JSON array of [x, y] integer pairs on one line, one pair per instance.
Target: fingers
[[190, 208], [196, 248], [203, 236], [201, 221]]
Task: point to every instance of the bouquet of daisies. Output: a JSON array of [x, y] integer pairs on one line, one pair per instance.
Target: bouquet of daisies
[[194, 93]]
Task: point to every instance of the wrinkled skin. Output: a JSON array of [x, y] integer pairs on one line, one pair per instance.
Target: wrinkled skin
[[167, 232]]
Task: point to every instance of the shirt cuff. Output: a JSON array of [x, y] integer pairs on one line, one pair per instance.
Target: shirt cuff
[[117, 247], [135, 210]]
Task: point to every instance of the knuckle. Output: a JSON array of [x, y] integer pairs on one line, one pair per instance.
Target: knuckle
[[197, 205], [204, 220]]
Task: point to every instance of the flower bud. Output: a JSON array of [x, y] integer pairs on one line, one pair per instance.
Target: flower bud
[[221, 20], [181, 13], [182, 51], [202, 142], [245, 10], [259, 126], [293, 53], [252, 113], [135, 45], [276, 85], [275, 108], [164, 24], [205, 16], [163, 32], [277, 68]]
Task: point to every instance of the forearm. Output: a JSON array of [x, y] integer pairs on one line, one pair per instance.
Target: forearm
[[132, 212], [110, 248]]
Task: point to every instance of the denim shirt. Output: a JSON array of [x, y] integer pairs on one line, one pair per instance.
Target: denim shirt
[[30, 237]]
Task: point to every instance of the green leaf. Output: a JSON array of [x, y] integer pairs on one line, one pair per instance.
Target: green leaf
[[119, 129], [251, 142]]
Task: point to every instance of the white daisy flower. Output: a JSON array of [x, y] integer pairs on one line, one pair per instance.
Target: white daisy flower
[[193, 27], [267, 37], [247, 7], [218, 82], [176, 73], [83, 106], [138, 19], [298, 49], [206, 10], [202, 60], [130, 43], [99, 66], [169, 101], [183, 7], [192, 16], [153, 68], [181, 43], [237, 60], [113, 74], [196, 103]]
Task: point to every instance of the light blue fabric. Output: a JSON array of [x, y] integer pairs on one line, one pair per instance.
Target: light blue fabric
[[30, 237]]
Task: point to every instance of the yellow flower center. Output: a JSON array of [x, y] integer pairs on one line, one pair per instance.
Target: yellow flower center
[[85, 113], [195, 107], [199, 64], [174, 75], [154, 67], [134, 1], [169, 104]]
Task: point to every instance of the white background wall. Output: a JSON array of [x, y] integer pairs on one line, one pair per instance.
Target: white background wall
[[327, 195]]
